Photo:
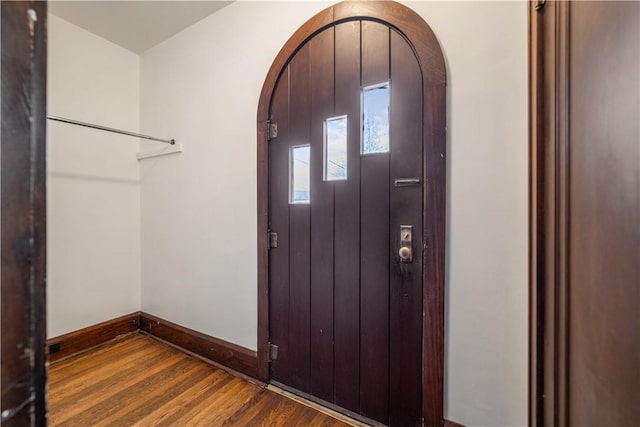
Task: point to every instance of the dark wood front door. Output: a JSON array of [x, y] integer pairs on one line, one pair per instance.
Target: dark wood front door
[[345, 196], [585, 214]]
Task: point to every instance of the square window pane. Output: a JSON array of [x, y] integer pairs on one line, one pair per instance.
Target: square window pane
[[375, 119], [335, 148], [299, 174]]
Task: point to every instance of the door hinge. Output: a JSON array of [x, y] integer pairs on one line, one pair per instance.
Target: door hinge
[[272, 130], [272, 239], [273, 352], [539, 5]]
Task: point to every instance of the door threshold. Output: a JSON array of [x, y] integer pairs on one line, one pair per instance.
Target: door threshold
[[323, 406]]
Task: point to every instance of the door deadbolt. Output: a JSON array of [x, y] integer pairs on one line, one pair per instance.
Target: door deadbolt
[[406, 243]]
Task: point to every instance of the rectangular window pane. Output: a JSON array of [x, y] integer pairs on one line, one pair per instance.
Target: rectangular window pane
[[375, 119], [299, 175], [335, 148]]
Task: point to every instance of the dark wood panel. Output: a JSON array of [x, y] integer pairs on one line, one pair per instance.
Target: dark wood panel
[[433, 256], [536, 220], [39, 213], [374, 245], [405, 295], [545, 268], [300, 298], [279, 223], [140, 381], [262, 190], [374, 291], [585, 211], [375, 53], [86, 338], [603, 222], [347, 222], [23, 212], [300, 226], [322, 226], [231, 355], [407, 21]]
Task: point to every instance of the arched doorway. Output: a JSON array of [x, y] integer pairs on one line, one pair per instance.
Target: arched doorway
[[351, 246]]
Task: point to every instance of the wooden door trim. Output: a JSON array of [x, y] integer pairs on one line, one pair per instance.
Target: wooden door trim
[[431, 60], [548, 211], [23, 229]]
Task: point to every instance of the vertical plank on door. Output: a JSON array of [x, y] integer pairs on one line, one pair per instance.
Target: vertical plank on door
[[374, 244], [405, 297], [347, 221], [279, 223], [321, 60], [299, 223]]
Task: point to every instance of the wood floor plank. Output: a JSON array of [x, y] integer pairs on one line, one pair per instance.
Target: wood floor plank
[[105, 375], [198, 404], [185, 401], [204, 409], [130, 342], [322, 420], [224, 406], [138, 381], [159, 394], [105, 392], [82, 369], [249, 410], [275, 414], [265, 402], [301, 416], [84, 362]]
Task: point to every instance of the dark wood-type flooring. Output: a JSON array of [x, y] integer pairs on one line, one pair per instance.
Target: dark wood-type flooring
[[143, 382]]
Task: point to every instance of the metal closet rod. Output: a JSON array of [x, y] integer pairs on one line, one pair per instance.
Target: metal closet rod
[[108, 129]]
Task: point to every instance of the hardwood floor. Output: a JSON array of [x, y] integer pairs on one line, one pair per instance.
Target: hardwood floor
[[138, 381]]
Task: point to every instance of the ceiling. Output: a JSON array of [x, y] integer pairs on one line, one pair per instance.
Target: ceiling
[[134, 25]]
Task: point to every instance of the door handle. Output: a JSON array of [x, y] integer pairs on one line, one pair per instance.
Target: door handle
[[406, 243]]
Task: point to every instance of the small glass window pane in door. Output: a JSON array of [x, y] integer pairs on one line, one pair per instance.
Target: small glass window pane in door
[[299, 174], [375, 119], [335, 148]]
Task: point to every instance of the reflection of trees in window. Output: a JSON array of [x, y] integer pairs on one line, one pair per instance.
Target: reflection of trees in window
[[375, 124], [335, 145]]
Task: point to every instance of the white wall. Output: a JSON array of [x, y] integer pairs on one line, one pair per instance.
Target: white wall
[[93, 212], [199, 207], [485, 45], [199, 261]]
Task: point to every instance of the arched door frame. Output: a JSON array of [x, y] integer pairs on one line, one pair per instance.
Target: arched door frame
[[431, 61]]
